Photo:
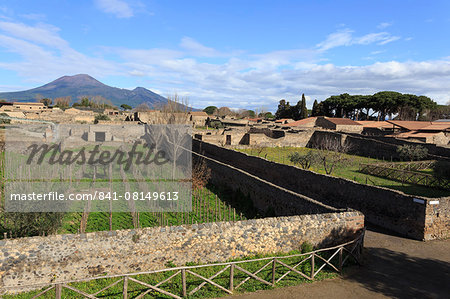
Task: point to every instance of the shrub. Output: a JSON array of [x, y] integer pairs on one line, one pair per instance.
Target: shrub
[[307, 247], [411, 152], [4, 120], [100, 117], [305, 161], [31, 224]]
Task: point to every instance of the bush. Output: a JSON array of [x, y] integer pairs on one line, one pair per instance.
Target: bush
[[100, 117], [411, 152], [307, 247], [4, 120], [305, 161], [30, 224]]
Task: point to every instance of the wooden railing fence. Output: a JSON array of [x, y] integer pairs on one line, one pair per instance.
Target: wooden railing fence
[[405, 176], [344, 252]]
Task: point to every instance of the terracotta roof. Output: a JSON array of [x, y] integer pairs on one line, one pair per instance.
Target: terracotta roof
[[410, 125], [28, 103], [413, 134], [198, 113], [301, 122], [436, 127], [374, 124], [342, 121], [255, 119], [282, 120]]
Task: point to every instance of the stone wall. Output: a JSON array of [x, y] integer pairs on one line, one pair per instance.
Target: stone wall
[[387, 208], [256, 137], [268, 199], [377, 146], [56, 258], [437, 219]]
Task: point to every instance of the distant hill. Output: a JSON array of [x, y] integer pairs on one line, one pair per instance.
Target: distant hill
[[85, 85]]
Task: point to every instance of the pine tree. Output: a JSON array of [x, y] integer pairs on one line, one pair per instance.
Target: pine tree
[[304, 110]]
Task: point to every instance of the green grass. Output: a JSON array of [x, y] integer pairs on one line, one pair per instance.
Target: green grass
[[229, 206], [175, 285], [348, 171]]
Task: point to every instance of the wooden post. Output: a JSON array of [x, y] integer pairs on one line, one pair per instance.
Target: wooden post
[[125, 287], [231, 277], [58, 291], [183, 281], [273, 271], [220, 215], [340, 259], [312, 266]]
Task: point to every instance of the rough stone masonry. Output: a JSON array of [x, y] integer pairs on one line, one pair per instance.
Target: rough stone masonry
[[40, 260]]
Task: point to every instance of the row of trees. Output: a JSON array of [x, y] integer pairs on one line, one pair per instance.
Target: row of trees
[[240, 113], [83, 101], [299, 111], [378, 106]]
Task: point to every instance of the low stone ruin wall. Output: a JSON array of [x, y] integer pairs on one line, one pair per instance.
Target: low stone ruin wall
[[40, 260]]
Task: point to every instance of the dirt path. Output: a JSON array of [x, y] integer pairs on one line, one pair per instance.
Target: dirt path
[[393, 267]]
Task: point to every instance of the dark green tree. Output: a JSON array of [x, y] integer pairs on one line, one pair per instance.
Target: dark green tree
[[85, 102], [46, 101], [267, 115], [314, 111], [284, 110], [304, 110], [210, 110], [296, 111], [126, 107]]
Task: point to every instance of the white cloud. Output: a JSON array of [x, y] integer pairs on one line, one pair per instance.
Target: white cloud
[[384, 25], [44, 55], [337, 39], [43, 34], [345, 38], [242, 80], [197, 49], [119, 8]]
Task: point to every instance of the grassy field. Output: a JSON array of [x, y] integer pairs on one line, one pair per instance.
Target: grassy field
[[210, 204], [349, 171], [207, 291]]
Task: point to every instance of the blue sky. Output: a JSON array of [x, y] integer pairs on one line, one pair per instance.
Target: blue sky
[[241, 54]]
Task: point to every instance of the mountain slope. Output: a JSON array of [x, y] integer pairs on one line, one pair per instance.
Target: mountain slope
[[84, 85]]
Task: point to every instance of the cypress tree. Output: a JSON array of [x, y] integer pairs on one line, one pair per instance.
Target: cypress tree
[[304, 110], [315, 109]]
